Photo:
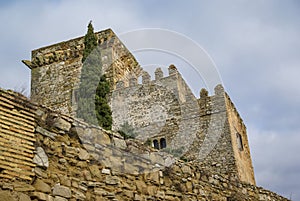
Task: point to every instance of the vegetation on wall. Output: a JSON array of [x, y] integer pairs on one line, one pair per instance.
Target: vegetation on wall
[[127, 131], [92, 103]]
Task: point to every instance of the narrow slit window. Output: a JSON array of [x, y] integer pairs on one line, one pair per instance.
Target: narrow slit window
[[239, 142]]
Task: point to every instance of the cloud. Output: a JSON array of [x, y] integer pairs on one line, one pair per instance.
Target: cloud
[[255, 45], [30, 25], [276, 160]]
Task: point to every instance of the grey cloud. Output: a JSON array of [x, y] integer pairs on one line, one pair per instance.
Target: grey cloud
[[254, 44]]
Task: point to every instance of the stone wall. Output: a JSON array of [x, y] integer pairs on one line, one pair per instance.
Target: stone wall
[[240, 143], [76, 161], [56, 69], [213, 146], [204, 129], [218, 142], [162, 111], [162, 108]]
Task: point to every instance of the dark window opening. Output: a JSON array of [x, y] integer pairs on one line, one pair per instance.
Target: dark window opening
[[163, 143], [239, 142], [155, 144]]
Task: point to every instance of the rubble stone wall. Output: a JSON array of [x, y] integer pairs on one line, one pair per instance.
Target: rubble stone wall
[[205, 130], [76, 161]]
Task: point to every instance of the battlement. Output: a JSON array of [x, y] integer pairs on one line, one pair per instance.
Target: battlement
[[146, 78]]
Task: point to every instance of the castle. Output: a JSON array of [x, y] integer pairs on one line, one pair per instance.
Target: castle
[[60, 157]]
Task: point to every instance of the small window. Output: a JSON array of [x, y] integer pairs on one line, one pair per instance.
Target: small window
[[239, 142], [163, 143], [155, 144]]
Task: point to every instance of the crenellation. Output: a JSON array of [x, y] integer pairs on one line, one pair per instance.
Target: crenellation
[[133, 81], [158, 74], [146, 78], [172, 69], [203, 93]]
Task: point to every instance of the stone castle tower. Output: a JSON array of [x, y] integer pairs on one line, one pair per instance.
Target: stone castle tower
[[56, 69], [163, 111]]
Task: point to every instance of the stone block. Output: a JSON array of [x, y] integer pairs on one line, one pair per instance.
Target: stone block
[[41, 196], [105, 171], [62, 124], [83, 154], [41, 186], [24, 197], [45, 132], [95, 172], [141, 187], [41, 158], [58, 198], [23, 187], [112, 180], [6, 196], [102, 138], [62, 191], [120, 143]]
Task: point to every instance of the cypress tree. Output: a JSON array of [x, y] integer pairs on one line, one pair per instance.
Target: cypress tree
[[92, 95], [90, 42]]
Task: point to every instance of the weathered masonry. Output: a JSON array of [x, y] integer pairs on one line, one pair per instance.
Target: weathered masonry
[[72, 160], [46, 153], [17, 125], [162, 108], [56, 69]]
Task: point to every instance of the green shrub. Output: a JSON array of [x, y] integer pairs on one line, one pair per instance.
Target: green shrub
[[127, 131]]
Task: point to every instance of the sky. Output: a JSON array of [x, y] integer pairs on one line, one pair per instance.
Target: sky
[[254, 44]]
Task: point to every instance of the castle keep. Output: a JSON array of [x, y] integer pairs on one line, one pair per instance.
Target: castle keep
[[49, 154]]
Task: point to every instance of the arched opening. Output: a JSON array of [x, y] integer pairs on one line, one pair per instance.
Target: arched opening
[[163, 143], [155, 144], [239, 142]]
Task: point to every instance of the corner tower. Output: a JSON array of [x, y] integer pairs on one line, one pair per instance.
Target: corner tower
[[56, 69], [226, 135]]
